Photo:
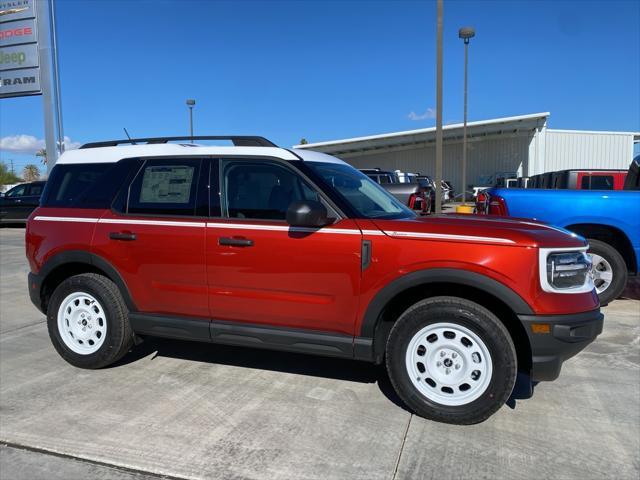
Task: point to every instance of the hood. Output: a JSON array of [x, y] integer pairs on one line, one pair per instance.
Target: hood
[[481, 229]]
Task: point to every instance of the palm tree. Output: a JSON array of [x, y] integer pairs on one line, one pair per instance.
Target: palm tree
[[31, 173], [42, 153]]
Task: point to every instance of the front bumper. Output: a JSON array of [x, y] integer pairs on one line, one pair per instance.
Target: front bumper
[[565, 336]]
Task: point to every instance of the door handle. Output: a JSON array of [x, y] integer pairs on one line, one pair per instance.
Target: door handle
[[235, 242], [125, 236]]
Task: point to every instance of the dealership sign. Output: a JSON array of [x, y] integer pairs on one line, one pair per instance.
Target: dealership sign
[[19, 61]]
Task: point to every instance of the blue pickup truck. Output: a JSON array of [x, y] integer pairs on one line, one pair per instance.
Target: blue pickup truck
[[608, 219]]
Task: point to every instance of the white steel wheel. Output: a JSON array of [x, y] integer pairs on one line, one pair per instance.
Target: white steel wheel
[[82, 323], [449, 364], [602, 272]]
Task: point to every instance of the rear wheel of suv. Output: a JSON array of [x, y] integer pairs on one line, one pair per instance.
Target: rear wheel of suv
[[88, 321], [451, 360], [609, 270]]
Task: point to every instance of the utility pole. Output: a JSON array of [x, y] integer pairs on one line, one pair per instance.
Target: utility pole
[[439, 111], [466, 33], [12, 170]]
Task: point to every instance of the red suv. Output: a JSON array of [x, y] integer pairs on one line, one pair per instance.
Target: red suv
[[257, 245]]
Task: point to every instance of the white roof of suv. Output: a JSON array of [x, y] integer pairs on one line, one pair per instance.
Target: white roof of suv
[[116, 153]]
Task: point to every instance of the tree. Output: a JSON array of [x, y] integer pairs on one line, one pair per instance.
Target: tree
[[31, 173], [7, 177], [42, 153], [303, 141]]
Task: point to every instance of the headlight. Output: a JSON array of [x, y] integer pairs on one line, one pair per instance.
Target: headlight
[[565, 271]]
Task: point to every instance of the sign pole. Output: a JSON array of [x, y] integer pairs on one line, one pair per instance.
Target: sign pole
[[56, 77], [44, 53]]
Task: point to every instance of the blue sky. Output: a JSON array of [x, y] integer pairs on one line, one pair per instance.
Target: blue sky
[[332, 69]]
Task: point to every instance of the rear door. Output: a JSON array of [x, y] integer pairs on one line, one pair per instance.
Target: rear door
[[262, 271], [155, 237]]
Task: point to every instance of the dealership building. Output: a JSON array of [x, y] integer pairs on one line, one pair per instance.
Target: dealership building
[[521, 144]]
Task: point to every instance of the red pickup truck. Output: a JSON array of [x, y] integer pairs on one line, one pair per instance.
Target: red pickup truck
[[261, 246]]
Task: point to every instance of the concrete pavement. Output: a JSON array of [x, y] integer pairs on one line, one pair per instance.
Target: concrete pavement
[[189, 410]]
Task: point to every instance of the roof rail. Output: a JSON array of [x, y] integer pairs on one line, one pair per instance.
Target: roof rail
[[237, 140]]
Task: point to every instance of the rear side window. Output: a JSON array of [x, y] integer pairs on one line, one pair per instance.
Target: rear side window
[[597, 182], [602, 182], [35, 190], [165, 187], [88, 185]]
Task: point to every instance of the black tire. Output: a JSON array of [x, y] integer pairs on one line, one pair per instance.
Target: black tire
[[119, 335], [468, 315], [618, 267]]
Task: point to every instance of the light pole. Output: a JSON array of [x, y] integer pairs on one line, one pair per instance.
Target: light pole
[[465, 33], [439, 148], [190, 104]]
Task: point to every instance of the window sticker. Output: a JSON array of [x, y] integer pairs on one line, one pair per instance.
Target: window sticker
[[167, 184]]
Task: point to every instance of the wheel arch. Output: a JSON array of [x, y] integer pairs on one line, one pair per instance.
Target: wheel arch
[[74, 262], [610, 235], [405, 291]]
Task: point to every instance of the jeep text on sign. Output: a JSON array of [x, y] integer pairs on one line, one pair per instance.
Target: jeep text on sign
[[19, 56], [13, 33]]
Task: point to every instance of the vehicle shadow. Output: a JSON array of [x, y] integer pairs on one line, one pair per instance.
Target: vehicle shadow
[[286, 362]]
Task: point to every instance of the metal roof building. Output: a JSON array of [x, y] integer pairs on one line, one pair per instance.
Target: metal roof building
[[521, 144]]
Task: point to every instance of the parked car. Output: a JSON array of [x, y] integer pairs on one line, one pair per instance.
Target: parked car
[[17, 203], [608, 219], [581, 179], [296, 250], [381, 177], [412, 195]]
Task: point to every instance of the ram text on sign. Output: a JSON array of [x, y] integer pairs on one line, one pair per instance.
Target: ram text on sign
[[16, 9], [22, 31], [19, 82]]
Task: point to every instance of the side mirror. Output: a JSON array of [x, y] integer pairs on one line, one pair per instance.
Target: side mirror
[[307, 213]]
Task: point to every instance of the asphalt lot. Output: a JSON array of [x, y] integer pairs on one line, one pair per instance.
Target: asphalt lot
[[189, 410]]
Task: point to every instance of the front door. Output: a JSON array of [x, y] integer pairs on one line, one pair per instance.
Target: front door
[[262, 271], [156, 241]]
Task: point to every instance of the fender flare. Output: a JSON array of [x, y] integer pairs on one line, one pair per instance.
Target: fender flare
[[439, 275], [88, 258]]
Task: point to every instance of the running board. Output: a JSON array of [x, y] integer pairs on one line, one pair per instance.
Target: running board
[[251, 335]]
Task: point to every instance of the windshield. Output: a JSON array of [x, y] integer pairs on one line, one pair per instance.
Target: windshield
[[363, 194]]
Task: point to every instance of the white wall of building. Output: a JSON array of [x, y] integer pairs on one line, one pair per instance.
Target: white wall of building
[[544, 150], [567, 149]]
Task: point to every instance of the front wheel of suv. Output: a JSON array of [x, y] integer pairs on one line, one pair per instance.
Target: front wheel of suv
[[88, 321], [451, 360]]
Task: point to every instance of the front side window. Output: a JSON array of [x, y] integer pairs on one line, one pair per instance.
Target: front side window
[[365, 196], [261, 190], [165, 187], [16, 191]]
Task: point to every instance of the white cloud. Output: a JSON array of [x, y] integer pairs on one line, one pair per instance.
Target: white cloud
[[430, 113], [28, 144]]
